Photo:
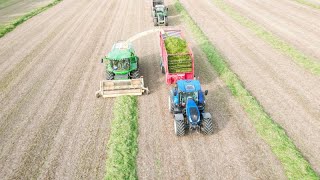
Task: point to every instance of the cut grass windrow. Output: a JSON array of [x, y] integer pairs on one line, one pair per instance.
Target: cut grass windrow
[[307, 62], [122, 147], [308, 3], [294, 164], [4, 29]]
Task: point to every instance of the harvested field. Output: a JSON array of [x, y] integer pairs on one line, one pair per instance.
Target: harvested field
[[53, 127]]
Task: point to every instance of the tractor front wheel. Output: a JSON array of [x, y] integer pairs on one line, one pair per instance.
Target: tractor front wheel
[[135, 74], [207, 126], [179, 128], [170, 105], [109, 75]]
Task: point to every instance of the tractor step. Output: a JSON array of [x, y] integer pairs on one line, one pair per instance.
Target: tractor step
[[114, 88]]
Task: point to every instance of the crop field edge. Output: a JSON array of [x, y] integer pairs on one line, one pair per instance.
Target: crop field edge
[[292, 160], [122, 145], [6, 28], [304, 61], [307, 3]]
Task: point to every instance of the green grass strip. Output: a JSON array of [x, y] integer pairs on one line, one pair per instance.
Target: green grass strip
[[307, 3], [4, 29], [122, 146], [295, 166], [296, 55]]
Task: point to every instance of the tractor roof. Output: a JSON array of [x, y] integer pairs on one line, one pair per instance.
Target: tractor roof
[[121, 50], [160, 8], [189, 85]]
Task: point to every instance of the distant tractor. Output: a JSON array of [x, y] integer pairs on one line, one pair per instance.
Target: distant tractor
[[122, 72], [187, 103], [159, 12]]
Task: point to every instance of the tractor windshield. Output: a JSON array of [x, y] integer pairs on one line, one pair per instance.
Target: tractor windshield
[[120, 65], [185, 95], [160, 9]]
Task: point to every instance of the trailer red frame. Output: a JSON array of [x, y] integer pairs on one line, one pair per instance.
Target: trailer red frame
[[172, 78]]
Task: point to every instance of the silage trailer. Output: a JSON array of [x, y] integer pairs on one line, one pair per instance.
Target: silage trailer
[[180, 69]]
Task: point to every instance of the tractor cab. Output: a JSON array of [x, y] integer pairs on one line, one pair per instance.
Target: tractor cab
[[187, 103], [161, 9], [187, 90]]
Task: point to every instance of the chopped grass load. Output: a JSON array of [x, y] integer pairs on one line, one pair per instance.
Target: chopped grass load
[[293, 162], [122, 147], [4, 29], [179, 59]]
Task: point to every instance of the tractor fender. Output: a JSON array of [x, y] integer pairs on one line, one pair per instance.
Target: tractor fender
[[178, 117], [206, 115]]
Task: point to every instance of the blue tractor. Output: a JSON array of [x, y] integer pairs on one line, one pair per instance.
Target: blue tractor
[[187, 103]]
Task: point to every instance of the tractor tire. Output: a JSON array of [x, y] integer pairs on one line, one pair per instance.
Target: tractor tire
[[166, 21], [207, 126], [109, 75], [163, 71], [179, 128], [170, 104], [135, 74], [155, 21]]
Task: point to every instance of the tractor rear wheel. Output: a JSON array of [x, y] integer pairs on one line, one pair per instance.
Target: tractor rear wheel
[[135, 74], [109, 75], [179, 128], [207, 126]]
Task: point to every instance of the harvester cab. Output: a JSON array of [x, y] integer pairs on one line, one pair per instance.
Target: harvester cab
[[121, 62], [122, 72], [187, 103], [159, 13]]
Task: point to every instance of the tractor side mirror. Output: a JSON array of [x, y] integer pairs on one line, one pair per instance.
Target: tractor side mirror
[[101, 60], [206, 92]]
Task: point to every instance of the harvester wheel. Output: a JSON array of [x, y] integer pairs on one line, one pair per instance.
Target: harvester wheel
[[109, 75], [207, 126], [135, 74], [179, 128], [155, 21]]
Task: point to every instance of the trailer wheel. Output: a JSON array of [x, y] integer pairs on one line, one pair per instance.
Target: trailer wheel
[[109, 75], [207, 126], [162, 69], [179, 128]]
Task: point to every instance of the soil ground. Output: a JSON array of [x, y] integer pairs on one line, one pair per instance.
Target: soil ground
[[233, 151], [286, 91], [53, 127], [293, 22], [12, 9]]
